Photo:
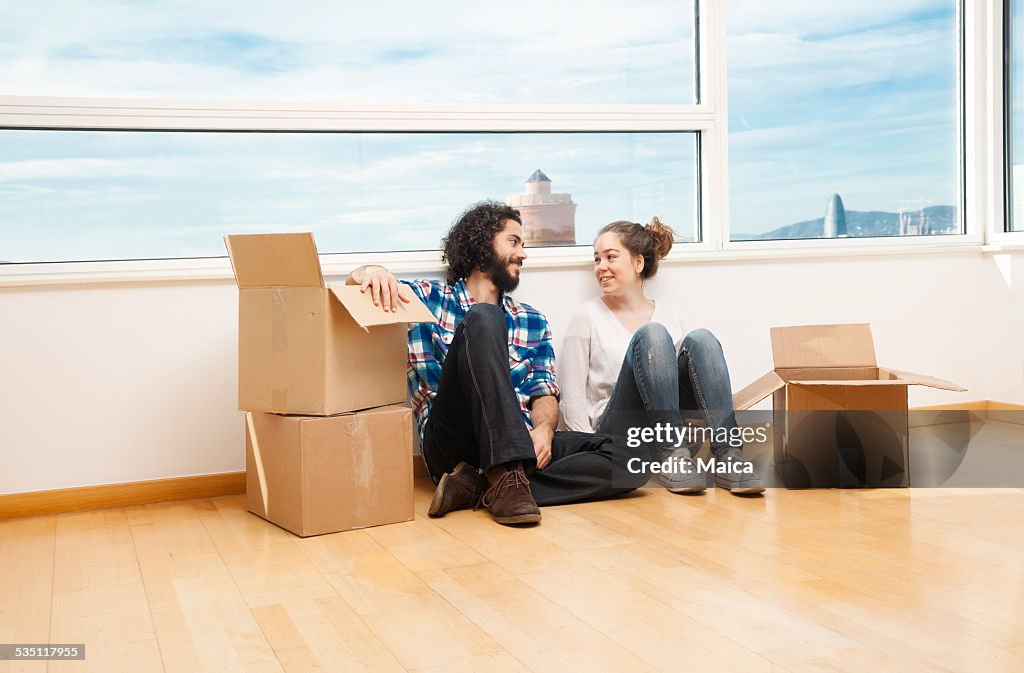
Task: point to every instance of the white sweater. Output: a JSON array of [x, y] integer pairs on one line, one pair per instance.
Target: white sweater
[[591, 358]]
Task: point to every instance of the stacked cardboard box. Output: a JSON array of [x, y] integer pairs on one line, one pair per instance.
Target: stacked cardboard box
[[839, 419], [321, 377]]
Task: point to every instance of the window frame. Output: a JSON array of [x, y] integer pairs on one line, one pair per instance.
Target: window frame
[[999, 72], [992, 133]]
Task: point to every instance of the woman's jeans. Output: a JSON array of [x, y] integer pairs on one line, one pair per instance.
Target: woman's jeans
[[656, 386]]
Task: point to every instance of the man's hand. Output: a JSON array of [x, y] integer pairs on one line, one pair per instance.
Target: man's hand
[[542, 445], [382, 286], [544, 414]]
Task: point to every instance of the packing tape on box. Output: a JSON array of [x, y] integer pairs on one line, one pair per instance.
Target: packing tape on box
[[257, 459], [279, 325], [362, 468]]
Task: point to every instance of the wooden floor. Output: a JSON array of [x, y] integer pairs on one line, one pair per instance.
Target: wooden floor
[[884, 580]]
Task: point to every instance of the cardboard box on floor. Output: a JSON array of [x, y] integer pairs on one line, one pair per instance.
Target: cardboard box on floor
[[838, 418], [309, 348], [314, 475]]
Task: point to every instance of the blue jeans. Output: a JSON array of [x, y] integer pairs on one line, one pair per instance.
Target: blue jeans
[[656, 385]]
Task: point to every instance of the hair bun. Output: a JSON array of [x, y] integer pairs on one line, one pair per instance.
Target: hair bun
[[664, 236]]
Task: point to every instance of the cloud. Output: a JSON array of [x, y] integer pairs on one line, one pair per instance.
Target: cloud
[[811, 17], [440, 52], [765, 68], [82, 168]]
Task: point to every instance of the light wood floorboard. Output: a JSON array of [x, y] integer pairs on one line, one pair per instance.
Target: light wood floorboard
[[26, 585], [920, 580]]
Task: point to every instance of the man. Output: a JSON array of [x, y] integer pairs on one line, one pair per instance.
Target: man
[[483, 384]]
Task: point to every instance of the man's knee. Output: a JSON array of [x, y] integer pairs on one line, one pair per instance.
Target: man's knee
[[630, 464], [484, 317], [633, 480]]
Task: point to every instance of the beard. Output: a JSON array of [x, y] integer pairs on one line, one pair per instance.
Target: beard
[[500, 276]]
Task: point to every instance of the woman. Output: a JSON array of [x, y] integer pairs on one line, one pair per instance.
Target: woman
[[625, 363]]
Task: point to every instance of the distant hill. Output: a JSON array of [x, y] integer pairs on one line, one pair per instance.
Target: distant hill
[[860, 224]]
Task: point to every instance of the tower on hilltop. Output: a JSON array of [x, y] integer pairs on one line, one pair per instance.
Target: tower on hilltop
[[548, 219]]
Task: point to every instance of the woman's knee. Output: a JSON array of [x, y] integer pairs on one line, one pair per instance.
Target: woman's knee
[[654, 343], [652, 332], [702, 340]]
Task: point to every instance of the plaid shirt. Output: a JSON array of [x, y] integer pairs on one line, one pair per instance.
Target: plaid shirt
[[531, 358]]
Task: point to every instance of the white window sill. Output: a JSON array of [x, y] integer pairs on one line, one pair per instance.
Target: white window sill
[[218, 269], [1000, 247]]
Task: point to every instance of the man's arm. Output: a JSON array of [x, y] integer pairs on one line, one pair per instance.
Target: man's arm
[[544, 414], [381, 283]]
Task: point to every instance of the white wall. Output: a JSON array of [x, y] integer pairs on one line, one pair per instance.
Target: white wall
[[107, 384]]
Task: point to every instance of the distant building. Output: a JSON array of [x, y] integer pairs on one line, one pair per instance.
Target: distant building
[[835, 218], [914, 222], [548, 219]]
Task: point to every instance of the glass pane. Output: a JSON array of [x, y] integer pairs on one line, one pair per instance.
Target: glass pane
[[1016, 121], [99, 195], [843, 119], [445, 51]]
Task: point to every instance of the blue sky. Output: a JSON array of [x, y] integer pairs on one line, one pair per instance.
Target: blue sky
[[824, 98]]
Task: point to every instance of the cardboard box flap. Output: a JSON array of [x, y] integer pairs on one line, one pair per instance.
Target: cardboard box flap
[[274, 260], [360, 306], [757, 391], [823, 346], [850, 382], [921, 380]]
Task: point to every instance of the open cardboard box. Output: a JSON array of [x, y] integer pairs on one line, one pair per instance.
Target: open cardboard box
[[305, 347], [838, 418], [314, 474]]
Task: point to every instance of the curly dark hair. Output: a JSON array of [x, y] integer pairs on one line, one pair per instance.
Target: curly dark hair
[[469, 244]]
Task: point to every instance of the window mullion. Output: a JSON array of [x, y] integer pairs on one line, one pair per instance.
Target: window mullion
[[714, 141], [123, 114]]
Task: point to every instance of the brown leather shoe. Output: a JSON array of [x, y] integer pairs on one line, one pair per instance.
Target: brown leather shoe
[[458, 489], [509, 499]]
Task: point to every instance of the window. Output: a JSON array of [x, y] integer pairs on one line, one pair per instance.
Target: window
[[844, 119], [132, 130], [148, 130], [95, 195]]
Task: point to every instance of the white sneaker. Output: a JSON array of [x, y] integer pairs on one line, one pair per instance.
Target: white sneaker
[[684, 478], [740, 481]]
